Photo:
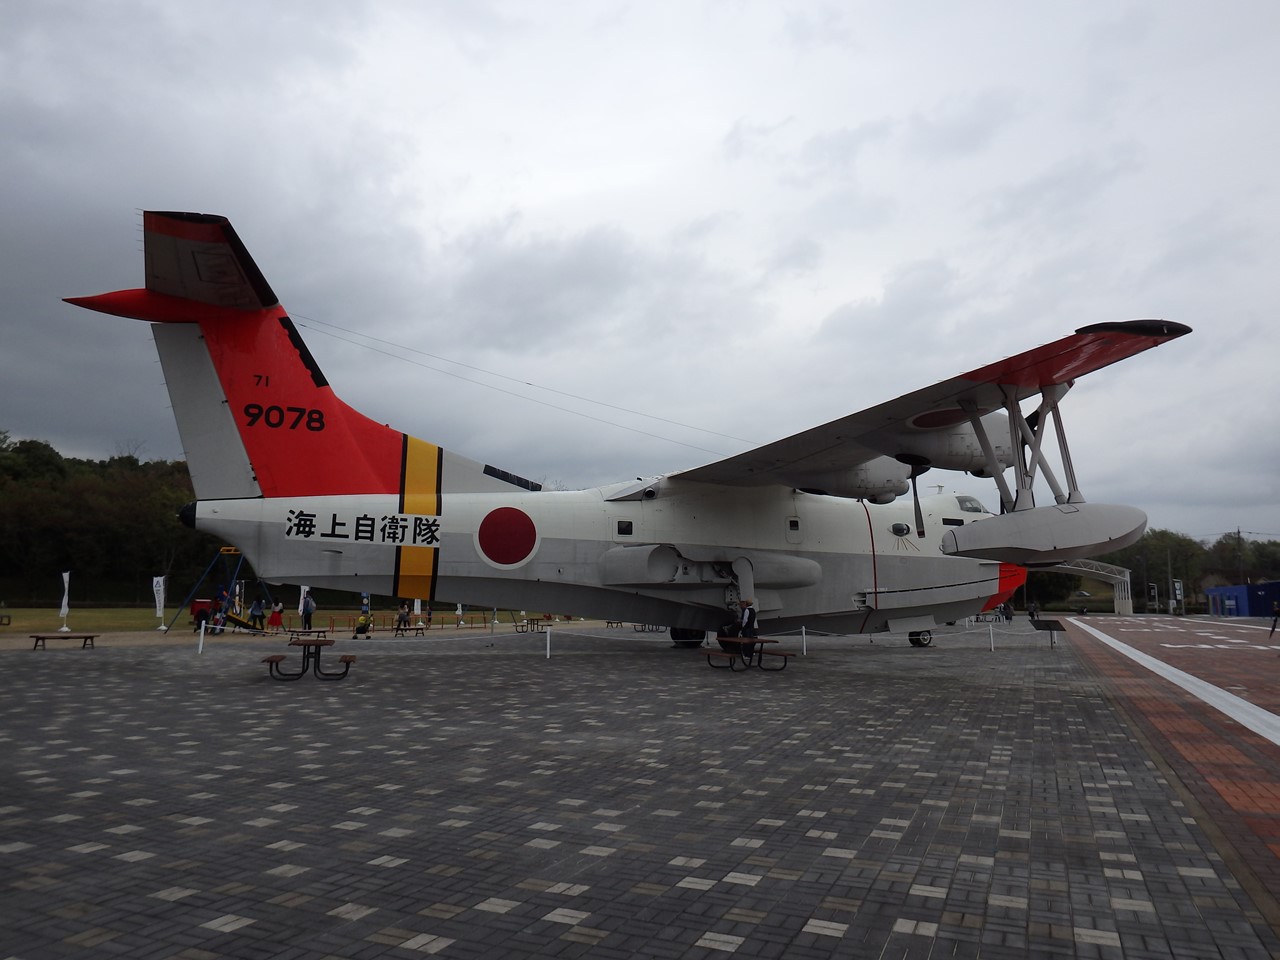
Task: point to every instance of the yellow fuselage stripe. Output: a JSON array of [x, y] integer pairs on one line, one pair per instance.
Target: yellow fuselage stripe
[[419, 495]]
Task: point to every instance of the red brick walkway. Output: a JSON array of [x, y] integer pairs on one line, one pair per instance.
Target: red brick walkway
[[1231, 771]]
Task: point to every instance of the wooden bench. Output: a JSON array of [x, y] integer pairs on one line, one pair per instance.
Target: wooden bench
[[346, 660], [273, 663], [404, 631], [85, 638], [613, 623], [732, 660]]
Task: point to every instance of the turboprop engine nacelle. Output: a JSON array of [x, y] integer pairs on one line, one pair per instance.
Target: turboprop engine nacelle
[[881, 480], [1048, 535]]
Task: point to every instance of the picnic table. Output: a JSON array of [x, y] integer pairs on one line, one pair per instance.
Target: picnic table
[[319, 633], [311, 647]]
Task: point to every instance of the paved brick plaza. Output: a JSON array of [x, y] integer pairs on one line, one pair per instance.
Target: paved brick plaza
[[464, 796]]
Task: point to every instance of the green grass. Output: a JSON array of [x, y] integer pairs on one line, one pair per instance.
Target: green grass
[[108, 619]]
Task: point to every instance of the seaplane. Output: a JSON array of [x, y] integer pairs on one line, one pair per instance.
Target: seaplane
[[824, 529]]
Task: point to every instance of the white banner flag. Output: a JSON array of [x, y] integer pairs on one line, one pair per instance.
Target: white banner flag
[[157, 586], [66, 595], [302, 597]]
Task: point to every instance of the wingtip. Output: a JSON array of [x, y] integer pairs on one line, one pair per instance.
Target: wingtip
[[1160, 329]]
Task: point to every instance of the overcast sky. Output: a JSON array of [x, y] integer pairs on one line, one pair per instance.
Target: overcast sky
[[591, 241]]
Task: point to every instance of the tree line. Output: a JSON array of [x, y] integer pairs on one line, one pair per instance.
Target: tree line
[[1162, 555], [113, 524]]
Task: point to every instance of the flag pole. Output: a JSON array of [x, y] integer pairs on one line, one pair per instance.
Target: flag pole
[[66, 604], [157, 587]]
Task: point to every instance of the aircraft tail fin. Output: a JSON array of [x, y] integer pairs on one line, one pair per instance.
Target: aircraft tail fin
[[256, 415]]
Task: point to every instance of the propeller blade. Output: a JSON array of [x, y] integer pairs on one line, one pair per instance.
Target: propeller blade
[[918, 465], [915, 496]]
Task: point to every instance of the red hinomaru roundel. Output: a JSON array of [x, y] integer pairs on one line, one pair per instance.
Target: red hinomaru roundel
[[507, 536]]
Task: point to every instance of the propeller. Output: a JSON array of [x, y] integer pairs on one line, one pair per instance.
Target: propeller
[[918, 465]]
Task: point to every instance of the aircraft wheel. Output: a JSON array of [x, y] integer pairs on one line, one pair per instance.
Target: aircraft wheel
[[913, 638], [924, 638], [685, 637]]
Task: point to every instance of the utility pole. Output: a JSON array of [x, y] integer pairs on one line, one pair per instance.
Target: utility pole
[[1146, 588]]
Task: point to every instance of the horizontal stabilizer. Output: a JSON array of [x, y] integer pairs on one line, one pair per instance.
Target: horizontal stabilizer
[[1045, 535]]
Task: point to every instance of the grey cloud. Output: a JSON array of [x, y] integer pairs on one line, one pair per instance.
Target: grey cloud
[[531, 291], [963, 125], [833, 155], [918, 296], [1207, 239], [745, 139], [1060, 193], [846, 209], [817, 26], [801, 255]]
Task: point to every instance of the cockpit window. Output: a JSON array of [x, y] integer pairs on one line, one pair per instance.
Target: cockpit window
[[970, 505]]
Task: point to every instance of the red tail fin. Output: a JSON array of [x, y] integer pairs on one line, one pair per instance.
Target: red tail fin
[[248, 364], [256, 415]]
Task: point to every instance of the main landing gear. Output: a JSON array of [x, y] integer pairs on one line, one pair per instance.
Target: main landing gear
[[685, 637], [920, 638]]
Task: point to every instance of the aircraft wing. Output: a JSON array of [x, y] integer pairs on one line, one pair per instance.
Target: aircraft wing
[[888, 428]]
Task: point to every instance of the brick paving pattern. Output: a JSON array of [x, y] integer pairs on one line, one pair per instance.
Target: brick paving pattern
[[1232, 773], [468, 797]]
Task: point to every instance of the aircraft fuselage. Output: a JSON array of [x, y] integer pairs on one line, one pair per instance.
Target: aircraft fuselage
[[662, 552]]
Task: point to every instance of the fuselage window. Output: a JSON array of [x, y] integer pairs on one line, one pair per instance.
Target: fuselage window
[[625, 528]]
